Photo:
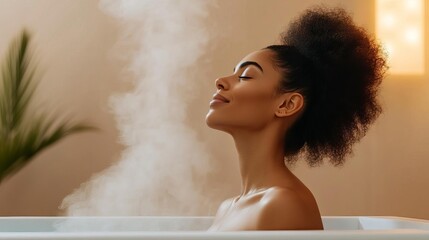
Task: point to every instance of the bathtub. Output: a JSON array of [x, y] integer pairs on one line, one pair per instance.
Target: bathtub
[[192, 228]]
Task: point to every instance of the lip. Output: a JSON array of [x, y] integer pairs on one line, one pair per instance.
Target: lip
[[218, 99]]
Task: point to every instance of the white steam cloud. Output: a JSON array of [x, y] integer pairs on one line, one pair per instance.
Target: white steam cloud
[[163, 168]]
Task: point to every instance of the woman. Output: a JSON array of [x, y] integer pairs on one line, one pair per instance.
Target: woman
[[313, 96]]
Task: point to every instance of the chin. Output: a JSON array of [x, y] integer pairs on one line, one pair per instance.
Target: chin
[[213, 123]]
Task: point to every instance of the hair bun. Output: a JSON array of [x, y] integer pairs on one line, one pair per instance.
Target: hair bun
[[322, 33], [348, 68]]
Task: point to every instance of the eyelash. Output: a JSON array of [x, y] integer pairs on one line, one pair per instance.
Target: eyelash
[[243, 77]]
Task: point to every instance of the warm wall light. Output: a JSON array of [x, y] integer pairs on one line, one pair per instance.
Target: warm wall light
[[400, 26]]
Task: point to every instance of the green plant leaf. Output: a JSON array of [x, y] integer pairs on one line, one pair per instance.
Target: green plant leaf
[[23, 136]]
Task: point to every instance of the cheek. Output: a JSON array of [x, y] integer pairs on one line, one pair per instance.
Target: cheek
[[252, 107], [253, 100]]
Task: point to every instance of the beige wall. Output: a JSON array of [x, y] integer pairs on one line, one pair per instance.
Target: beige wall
[[72, 41], [386, 176]]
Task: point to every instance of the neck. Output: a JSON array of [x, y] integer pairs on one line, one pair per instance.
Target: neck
[[261, 159]]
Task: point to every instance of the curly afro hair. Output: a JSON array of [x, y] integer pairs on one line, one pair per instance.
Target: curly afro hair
[[338, 69]]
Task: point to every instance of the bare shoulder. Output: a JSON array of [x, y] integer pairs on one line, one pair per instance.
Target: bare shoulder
[[223, 207], [288, 209], [220, 214], [226, 204]]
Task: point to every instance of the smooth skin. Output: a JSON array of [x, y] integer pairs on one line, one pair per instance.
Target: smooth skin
[[257, 117]]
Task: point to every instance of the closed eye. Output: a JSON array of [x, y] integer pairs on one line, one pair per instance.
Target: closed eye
[[244, 77]]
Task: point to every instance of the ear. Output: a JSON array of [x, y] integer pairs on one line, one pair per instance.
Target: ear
[[290, 104]]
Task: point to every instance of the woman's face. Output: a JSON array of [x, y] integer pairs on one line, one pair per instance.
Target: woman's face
[[251, 94]]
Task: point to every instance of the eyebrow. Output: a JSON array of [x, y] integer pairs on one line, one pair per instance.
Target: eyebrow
[[247, 63]]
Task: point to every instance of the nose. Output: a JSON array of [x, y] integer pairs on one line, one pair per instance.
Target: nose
[[221, 83]]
